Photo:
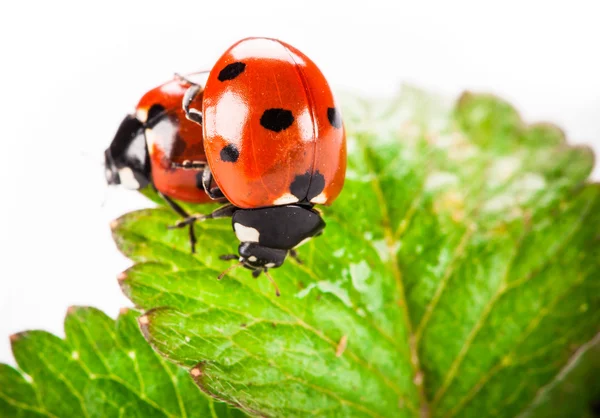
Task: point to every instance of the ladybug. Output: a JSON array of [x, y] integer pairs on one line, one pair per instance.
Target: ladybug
[[275, 147], [159, 145]]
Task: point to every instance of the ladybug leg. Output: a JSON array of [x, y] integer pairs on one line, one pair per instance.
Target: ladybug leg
[[294, 255], [181, 212], [223, 212], [190, 94], [190, 165], [207, 179], [277, 292]]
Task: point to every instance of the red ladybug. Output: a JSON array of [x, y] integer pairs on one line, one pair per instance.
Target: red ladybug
[[275, 145], [158, 144]]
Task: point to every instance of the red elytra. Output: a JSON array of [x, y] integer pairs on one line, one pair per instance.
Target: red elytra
[[273, 132], [172, 139]]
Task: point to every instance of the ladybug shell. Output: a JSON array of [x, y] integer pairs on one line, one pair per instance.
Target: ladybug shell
[[172, 138], [273, 132]]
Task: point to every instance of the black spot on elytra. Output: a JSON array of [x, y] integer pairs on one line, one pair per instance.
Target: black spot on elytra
[[231, 71], [155, 110], [317, 184], [299, 187], [230, 153], [306, 186], [334, 116], [276, 119], [155, 115]]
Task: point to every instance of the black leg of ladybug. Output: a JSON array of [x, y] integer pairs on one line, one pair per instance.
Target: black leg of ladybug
[[226, 211], [192, 114], [207, 180], [294, 255], [181, 212], [190, 165]]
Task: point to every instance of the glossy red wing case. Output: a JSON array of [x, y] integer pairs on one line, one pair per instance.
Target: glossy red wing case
[[273, 132], [172, 138]]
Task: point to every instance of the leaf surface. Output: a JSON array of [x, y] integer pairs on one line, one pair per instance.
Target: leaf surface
[[458, 273], [103, 368]]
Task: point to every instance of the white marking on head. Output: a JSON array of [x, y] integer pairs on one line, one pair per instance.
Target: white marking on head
[[246, 233], [128, 179], [252, 258], [269, 265], [320, 198], [285, 199], [141, 115]]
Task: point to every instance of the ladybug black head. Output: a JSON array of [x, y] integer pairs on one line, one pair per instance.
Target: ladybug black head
[[126, 160], [257, 257]]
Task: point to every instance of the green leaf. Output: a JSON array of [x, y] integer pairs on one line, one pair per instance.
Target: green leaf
[[103, 368], [575, 392], [457, 275]]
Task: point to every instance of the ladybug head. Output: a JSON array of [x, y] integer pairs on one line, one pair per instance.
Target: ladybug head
[[257, 257], [126, 160]]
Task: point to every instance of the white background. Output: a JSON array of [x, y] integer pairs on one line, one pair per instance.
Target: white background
[[70, 71]]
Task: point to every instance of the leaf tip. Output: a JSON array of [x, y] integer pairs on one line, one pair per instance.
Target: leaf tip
[[71, 310], [114, 225], [122, 276], [464, 97], [144, 320], [585, 151], [196, 372], [18, 336]]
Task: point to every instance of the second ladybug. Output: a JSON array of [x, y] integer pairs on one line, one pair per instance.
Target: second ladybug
[[154, 144]]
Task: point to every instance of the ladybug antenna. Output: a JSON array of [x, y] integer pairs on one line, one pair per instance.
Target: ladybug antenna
[[229, 269], [184, 79], [273, 283]]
